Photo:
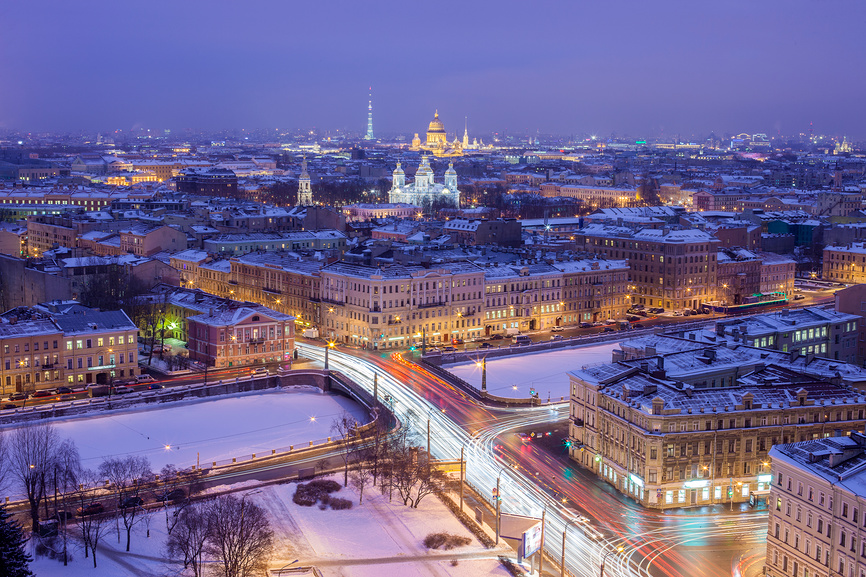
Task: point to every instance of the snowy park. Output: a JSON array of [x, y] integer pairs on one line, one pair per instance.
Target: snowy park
[[340, 543], [515, 375], [210, 430]]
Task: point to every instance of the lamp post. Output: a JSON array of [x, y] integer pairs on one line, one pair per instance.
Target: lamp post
[[483, 365], [603, 559], [328, 348], [564, 533], [498, 503]]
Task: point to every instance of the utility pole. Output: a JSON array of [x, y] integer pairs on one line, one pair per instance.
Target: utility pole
[[462, 475], [541, 550], [498, 501], [484, 374], [375, 387]]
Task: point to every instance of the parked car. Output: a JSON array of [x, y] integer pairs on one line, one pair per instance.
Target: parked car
[[598, 324], [484, 346], [42, 394], [259, 371], [173, 495], [557, 329], [91, 509], [496, 338], [131, 502], [448, 349], [64, 391], [456, 341], [608, 329], [9, 406], [18, 396], [585, 325], [637, 326]]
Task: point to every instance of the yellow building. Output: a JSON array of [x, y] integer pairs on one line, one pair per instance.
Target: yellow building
[[437, 140]]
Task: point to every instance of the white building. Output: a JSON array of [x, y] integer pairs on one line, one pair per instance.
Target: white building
[[424, 192], [817, 507]]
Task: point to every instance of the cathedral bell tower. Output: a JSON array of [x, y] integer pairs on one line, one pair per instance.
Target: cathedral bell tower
[[305, 190]]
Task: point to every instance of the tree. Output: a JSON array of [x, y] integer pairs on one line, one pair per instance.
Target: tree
[[413, 477], [93, 525], [240, 536], [14, 560], [67, 471], [362, 475], [190, 536], [128, 476], [346, 428], [30, 460]]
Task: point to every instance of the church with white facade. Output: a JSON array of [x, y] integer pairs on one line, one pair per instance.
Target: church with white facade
[[423, 191]]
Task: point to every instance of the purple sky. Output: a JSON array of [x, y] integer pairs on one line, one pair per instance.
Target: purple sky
[[637, 68]]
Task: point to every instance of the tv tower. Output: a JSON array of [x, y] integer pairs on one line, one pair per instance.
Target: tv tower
[[369, 135]]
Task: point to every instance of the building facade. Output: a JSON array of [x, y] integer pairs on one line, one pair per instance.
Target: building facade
[[424, 192], [695, 428]]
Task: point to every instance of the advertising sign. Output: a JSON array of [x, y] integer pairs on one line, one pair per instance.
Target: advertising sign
[[531, 541]]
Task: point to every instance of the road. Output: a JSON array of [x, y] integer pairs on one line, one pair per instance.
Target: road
[[708, 543]]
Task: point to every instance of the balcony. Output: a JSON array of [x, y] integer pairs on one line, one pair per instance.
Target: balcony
[[256, 341], [431, 305], [577, 422], [272, 291], [332, 301]]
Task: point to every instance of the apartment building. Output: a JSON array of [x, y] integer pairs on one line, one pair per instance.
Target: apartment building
[[694, 428], [845, 264], [541, 295], [817, 504], [240, 334], [738, 275], [669, 268], [393, 306], [593, 196], [808, 331], [238, 244], [777, 273], [64, 344]]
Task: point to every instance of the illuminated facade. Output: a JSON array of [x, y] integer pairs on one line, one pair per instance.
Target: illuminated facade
[[436, 141], [305, 190], [424, 192]]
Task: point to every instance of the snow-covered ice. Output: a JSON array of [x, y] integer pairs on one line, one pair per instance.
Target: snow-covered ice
[[212, 429], [515, 375]]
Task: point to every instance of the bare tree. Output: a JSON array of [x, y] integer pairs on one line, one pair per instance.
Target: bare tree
[[362, 475], [173, 501], [240, 536], [30, 460], [92, 522], [66, 475], [413, 477], [345, 427], [190, 536], [4, 464], [376, 447], [128, 477]]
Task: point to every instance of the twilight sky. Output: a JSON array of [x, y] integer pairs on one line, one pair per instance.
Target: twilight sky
[[573, 66]]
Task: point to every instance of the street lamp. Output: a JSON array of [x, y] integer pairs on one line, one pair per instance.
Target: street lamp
[[564, 533], [328, 348], [482, 364], [618, 550]]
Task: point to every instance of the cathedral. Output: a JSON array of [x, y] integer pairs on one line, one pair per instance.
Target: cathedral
[[437, 143], [423, 191]]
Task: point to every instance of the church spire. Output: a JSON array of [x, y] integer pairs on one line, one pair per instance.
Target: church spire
[[465, 132], [305, 190]]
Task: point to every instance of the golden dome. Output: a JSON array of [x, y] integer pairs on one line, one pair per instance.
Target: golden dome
[[436, 124]]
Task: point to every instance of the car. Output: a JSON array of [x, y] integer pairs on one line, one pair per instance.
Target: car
[[91, 509], [585, 325], [456, 341], [798, 297], [678, 314], [144, 378], [598, 324], [42, 394], [131, 502], [557, 329], [496, 338], [154, 386], [9, 406], [556, 337], [63, 516], [173, 495], [694, 312], [448, 349], [18, 396], [608, 329], [484, 346], [637, 326], [121, 390], [64, 391], [632, 318], [687, 313], [259, 371]]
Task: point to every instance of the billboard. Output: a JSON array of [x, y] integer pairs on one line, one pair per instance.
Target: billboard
[[531, 541]]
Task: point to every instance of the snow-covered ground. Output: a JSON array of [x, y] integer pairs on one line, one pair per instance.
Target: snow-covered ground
[[212, 430], [340, 543], [515, 375]]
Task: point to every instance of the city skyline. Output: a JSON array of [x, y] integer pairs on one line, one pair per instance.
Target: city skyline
[[658, 71]]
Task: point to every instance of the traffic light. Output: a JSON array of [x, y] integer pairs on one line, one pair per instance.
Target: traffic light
[[567, 443]]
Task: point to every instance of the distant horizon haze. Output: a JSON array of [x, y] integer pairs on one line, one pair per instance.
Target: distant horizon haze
[[633, 68]]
